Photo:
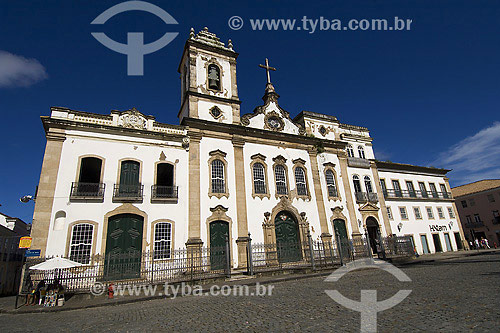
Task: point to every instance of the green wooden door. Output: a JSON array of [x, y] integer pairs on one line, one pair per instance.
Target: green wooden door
[[287, 238], [341, 237], [219, 232], [123, 247], [129, 178]]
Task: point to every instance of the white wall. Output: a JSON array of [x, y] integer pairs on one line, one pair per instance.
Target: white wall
[[114, 148], [417, 227]]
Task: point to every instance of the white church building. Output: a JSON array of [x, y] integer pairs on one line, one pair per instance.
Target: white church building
[[123, 181]]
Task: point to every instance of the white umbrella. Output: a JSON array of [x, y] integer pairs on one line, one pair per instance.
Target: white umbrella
[[56, 263]]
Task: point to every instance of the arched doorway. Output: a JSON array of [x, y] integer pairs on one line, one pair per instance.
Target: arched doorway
[[341, 236], [219, 235], [373, 234], [123, 246], [287, 237]]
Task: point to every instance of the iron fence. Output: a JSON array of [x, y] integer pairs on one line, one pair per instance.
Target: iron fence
[[182, 265], [201, 263]]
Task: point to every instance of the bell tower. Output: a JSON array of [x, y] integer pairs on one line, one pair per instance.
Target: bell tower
[[208, 79]]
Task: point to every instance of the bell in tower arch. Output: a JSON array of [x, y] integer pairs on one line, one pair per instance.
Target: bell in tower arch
[[213, 77]]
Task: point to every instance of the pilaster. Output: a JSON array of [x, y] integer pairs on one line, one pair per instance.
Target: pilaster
[[194, 207], [241, 201], [349, 198], [46, 189], [320, 203], [381, 199]]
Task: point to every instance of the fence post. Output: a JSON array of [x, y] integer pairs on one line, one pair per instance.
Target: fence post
[[311, 250], [249, 256], [339, 247], [382, 247], [228, 258], [368, 246]]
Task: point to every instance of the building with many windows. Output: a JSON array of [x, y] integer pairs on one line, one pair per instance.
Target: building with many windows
[[478, 205], [124, 182]]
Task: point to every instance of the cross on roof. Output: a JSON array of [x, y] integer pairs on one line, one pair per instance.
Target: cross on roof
[[268, 68]]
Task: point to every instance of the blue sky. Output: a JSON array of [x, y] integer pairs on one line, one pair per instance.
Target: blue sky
[[428, 95]]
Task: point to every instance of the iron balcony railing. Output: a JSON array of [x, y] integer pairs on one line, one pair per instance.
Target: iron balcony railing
[[362, 197], [417, 194], [87, 190], [164, 192], [474, 224], [128, 192]]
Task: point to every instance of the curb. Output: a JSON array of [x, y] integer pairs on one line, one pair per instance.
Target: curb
[[470, 253]]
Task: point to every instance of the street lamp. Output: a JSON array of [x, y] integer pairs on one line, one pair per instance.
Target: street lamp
[[26, 198]]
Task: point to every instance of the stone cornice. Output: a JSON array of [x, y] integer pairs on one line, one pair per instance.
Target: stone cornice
[[233, 129], [391, 166], [49, 123]]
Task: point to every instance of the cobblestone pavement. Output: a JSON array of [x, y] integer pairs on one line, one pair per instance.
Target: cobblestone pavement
[[454, 295]]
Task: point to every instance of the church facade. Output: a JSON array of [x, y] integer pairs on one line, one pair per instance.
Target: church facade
[[125, 180]]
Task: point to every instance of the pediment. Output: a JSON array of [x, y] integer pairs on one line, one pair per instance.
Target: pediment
[[132, 119], [368, 207], [217, 152], [299, 161], [279, 158], [258, 156], [271, 117]]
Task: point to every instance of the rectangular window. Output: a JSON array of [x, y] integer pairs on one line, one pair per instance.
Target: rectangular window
[[464, 203], [491, 198], [444, 191], [477, 218], [472, 202], [389, 213], [451, 213], [433, 190], [440, 213], [411, 189], [418, 215], [496, 217], [425, 246], [402, 212], [423, 190], [430, 214], [469, 219], [383, 186], [162, 241], [397, 188]]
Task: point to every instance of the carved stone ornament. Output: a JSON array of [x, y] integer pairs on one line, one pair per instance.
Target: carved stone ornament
[[185, 142], [132, 119]]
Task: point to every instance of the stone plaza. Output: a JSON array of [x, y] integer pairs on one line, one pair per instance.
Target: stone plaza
[[458, 294]]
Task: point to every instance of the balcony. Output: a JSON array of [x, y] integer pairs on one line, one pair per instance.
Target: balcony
[[123, 192], [164, 193], [357, 162], [475, 224], [87, 191], [405, 194], [363, 197]]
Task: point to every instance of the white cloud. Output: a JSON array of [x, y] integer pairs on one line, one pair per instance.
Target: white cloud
[[18, 71], [474, 158]]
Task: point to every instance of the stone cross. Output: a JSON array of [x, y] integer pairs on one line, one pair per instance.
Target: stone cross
[[268, 68]]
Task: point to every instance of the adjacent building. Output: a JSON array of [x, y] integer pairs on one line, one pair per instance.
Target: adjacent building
[[478, 205], [125, 182], [11, 257]]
